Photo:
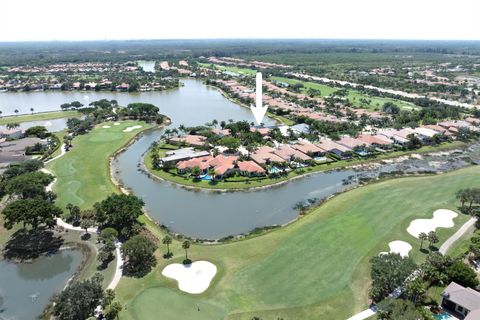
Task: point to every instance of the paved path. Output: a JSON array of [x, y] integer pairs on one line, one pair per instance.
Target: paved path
[[118, 268], [457, 235], [119, 265], [363, 315], [62, 152]]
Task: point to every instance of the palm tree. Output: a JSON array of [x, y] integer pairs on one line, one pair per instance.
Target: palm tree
[[432, 238], [186, 246], [31, 110], [422, 236], [214, 123], [167, 240], [1, 113], [16, 111], [182, 128], [69, 207], [12, 125]]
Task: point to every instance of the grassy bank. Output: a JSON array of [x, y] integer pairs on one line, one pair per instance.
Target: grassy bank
[[257, 182], [39, 116], [315, 268], [83, 174]]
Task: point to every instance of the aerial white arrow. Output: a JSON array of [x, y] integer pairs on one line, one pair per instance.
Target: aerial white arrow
[[258, 110]]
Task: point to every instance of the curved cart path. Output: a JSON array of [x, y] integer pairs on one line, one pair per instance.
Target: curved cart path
[[119, 265]]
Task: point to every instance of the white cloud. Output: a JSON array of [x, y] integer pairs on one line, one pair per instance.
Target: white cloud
[[144, 19]]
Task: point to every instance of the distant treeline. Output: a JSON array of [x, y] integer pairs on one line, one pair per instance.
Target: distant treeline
[[38, 53]]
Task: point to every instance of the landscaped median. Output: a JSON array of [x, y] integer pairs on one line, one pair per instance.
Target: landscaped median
[[296, 272], [241, 183]]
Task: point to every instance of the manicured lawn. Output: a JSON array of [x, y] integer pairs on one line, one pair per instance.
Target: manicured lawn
[[242, 71], [317, 267], [242, 183], [353, 96], [83, 175], [39, 116]]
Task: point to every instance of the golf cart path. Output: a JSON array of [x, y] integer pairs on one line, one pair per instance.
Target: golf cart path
[[457, 235], [119, 265], [367, 313]]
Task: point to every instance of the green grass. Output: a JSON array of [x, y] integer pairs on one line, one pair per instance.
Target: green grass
[[315, 268], [241, 71], [353, 96], [242, 183], [83, 175], [39, 116]]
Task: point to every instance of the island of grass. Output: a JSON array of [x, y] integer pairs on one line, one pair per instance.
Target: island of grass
[[39, 116], [296, 272]]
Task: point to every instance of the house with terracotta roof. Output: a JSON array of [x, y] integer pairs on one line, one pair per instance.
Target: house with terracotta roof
[[335, 148], [352, 143], [264, 155], [287, 153], [308, 148], [222, 165], [11, 133], [250, 168], [189, 139], [374, 141], [425, 134], [462, 302]]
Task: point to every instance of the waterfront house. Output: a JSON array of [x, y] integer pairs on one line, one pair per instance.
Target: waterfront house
[[174, 156], [264, 155], [425, 134], [352, 143], [250, 169], [462, 302], [201, 162], [308, 148], [375, 141], [288, 154], [335, 148], [189, 139]]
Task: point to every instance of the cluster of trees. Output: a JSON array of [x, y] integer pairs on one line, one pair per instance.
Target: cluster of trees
[[469, 199], [32, 205], [71, 105], [401, 286], [104, 109], [79, 300]]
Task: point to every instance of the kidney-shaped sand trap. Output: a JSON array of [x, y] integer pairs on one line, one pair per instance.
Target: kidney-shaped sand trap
[[193, 278], [441, 218], [131, 128], [400, 247]]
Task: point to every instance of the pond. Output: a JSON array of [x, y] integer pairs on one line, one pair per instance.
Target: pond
[[26, 288], [213, 215]]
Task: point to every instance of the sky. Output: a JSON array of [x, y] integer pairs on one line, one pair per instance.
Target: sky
[[35, 20]]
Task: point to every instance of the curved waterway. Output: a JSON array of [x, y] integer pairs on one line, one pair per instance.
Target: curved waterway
[[26, 288], [213, 215]]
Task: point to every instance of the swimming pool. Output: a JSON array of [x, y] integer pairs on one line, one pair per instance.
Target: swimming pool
[[443, 316], [206, 177], [274, 170]]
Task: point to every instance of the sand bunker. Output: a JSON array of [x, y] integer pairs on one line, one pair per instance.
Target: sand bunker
[[106, 127], [131, 128], [441, 218], [400, 247], [116, 123], [194, 278]]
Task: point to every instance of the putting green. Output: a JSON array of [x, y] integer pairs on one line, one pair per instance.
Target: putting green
[[83, 175], [179, 306], [317, 267]]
